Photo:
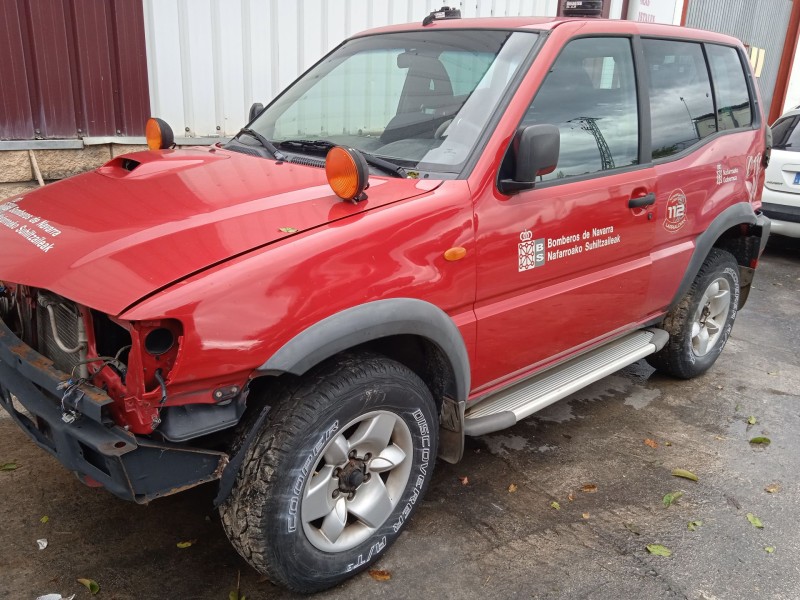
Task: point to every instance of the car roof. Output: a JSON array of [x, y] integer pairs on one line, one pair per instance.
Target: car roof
[[549, 23]]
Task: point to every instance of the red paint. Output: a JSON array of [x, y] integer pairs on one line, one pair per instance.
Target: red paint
[[88, 481], [194, 236], [685, 13], [180, 211], [71, 66]]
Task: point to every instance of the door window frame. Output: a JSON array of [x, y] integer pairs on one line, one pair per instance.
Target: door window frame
[[643, 103], [643, 114], [714, 87], [751, 93]]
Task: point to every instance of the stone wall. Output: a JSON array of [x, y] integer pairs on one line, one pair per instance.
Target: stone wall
[[16, 167], [9, 190]]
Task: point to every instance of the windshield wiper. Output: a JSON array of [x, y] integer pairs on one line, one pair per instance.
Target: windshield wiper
[[322, 147], [386, 165], [279, 156]]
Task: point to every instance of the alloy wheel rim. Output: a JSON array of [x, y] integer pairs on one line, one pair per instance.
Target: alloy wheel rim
[[357, 481], [710, 317]]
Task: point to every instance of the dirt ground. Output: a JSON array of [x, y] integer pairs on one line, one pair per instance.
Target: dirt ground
[[481, 540]]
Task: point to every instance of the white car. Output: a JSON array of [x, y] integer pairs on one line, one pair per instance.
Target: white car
[[781, 196]]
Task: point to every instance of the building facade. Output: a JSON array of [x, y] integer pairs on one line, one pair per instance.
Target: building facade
[[86, 75]]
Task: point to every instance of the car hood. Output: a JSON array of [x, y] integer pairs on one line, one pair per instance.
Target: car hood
[[107, 238]]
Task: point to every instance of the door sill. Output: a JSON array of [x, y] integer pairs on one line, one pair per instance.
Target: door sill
[[506, 407]]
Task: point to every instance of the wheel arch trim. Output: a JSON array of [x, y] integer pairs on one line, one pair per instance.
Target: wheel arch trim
[[740, 213], [368, 322]]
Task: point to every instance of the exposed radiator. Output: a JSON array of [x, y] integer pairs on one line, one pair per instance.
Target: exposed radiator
[[66, 317]]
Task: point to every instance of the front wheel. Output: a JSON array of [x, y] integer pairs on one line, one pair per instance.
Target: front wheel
[[335, 474], [699, 326]]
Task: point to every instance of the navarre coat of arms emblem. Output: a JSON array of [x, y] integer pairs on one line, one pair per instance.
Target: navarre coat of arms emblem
[[531, 252]]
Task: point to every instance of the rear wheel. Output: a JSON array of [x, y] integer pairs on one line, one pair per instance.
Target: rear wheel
[[699, 326], [335, 474]]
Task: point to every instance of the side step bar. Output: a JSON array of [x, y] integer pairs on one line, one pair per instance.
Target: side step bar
[[504, 408]]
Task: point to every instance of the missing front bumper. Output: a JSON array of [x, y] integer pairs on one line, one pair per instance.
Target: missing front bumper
[[131, 467]]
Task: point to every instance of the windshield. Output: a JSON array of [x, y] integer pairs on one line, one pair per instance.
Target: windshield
[[420, 99]]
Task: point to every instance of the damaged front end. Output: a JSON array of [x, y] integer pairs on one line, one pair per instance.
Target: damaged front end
[[94, 392]]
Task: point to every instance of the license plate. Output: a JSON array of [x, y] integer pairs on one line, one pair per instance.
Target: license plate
[[797, 178], [574, 4]]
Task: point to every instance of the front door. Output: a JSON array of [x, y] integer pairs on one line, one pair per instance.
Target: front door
[[568, 263]]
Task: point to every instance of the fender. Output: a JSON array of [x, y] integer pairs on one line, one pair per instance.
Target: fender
[[372, 321], [738, 214]]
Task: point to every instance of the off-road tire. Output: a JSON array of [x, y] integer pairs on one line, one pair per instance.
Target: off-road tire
[[679, 357], [263, 514]]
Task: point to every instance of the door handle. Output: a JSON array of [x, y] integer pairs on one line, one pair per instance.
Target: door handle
[[641, 201]]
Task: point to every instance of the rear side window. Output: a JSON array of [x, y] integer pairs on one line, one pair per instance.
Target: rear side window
[[681, 105], [590, 95], [786, 134], [730, 87]]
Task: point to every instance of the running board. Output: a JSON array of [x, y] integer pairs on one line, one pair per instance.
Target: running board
[[504, 408]]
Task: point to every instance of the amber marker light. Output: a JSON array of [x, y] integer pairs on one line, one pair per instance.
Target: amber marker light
[[158, 134], [347, 173], [455, 253]]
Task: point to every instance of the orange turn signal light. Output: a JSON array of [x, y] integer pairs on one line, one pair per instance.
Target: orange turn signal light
[[347, 172], [158, 134], [455, 253]]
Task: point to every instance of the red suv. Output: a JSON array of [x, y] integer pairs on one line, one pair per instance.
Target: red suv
[[434, 232]]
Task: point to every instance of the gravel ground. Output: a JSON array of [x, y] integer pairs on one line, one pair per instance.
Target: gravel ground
[[481, 540]]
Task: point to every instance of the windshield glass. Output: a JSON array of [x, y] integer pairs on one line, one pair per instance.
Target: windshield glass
[[420, 99]]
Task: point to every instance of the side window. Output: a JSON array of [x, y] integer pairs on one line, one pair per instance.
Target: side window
[[681, 105], [590, 95], [730, 87]]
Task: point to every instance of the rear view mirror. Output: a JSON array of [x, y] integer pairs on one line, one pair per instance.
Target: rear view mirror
[[536, 149], [255, 110]]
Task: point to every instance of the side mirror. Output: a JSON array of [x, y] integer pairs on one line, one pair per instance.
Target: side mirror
[[536, 149], [255, 110]]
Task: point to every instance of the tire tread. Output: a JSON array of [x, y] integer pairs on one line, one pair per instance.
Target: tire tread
[[672, 358], [296, 405]]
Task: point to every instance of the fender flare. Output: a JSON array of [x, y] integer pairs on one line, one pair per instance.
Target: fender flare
[[738, 214], [372, 321]]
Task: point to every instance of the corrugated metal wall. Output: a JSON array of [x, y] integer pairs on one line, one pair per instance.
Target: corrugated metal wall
[[793, 91], [762, 24], [209, 60], [72, 68]]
